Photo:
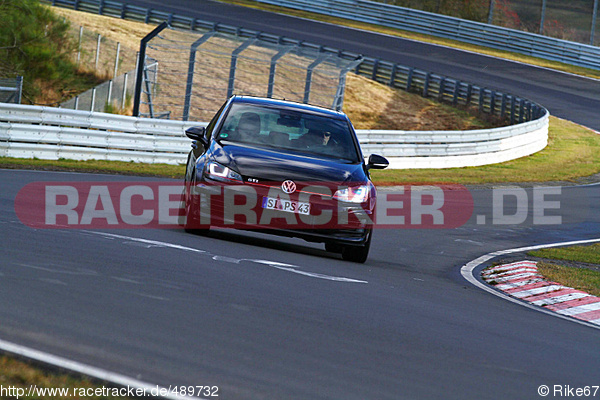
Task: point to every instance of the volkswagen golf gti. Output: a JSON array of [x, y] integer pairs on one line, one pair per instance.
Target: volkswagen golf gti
[[283, 168]]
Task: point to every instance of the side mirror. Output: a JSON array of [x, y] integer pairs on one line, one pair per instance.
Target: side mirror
[[377, 162], [197, 133]]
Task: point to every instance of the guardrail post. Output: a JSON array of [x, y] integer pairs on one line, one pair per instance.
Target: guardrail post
[[456, 92], [123, 11], [441, 89], [469, 94], [101, 7], [513, 108], [375, 70], [426, 85], [140, 67], [521, 110], [492, 102], [409, 79], [481, 96], [393, 75]]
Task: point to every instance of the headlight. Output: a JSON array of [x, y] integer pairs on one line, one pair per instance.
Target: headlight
[[356, 194], [222, 173]]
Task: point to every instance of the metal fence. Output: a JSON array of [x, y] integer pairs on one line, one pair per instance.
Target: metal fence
[[504, 105], [451, 28], [199, 70], [115, 96], [575, 20], [100, 54], [11, 90]]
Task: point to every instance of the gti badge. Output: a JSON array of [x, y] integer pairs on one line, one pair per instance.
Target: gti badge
[[288, 187]]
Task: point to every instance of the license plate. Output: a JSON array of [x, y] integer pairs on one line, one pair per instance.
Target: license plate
[[298, 207]]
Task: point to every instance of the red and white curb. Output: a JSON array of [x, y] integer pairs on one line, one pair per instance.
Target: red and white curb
[[523, 281]]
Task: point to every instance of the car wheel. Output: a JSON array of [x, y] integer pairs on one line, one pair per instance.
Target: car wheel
[[357, 254]]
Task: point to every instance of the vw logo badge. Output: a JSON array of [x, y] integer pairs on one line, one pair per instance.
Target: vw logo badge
[[288, 187]]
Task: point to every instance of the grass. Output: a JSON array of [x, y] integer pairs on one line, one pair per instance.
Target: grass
[[17, 374], [585, 279], [587, 254]]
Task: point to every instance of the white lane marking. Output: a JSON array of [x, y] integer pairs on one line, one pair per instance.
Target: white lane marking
[[273, 264], [295, 269], [467, 272], [99, 373], [147, 241], [126, 280]]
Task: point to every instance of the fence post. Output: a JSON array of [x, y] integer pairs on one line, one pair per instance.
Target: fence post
[[98, 51], [543, 17], [93, 99], [124, 95], [140, 67], [19, 89], [117, 60], [322, 57], [594, 16], [491, 12], [273, 67], [79, 46], [190, 77], [233, 66]]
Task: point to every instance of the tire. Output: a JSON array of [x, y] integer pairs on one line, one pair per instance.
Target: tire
[[357, 254]]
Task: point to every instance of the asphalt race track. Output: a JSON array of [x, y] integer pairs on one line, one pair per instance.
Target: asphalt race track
[[263, 317]]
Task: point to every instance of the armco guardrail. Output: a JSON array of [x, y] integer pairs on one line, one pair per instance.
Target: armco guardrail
[[53, 133], [451, 28]]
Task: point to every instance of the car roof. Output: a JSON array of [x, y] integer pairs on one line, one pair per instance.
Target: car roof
[[262, 101]]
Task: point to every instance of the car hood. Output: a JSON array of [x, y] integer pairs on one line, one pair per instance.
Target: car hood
[[276, 166]]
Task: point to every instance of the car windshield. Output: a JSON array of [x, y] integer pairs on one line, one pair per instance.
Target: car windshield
[[290, 130]]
